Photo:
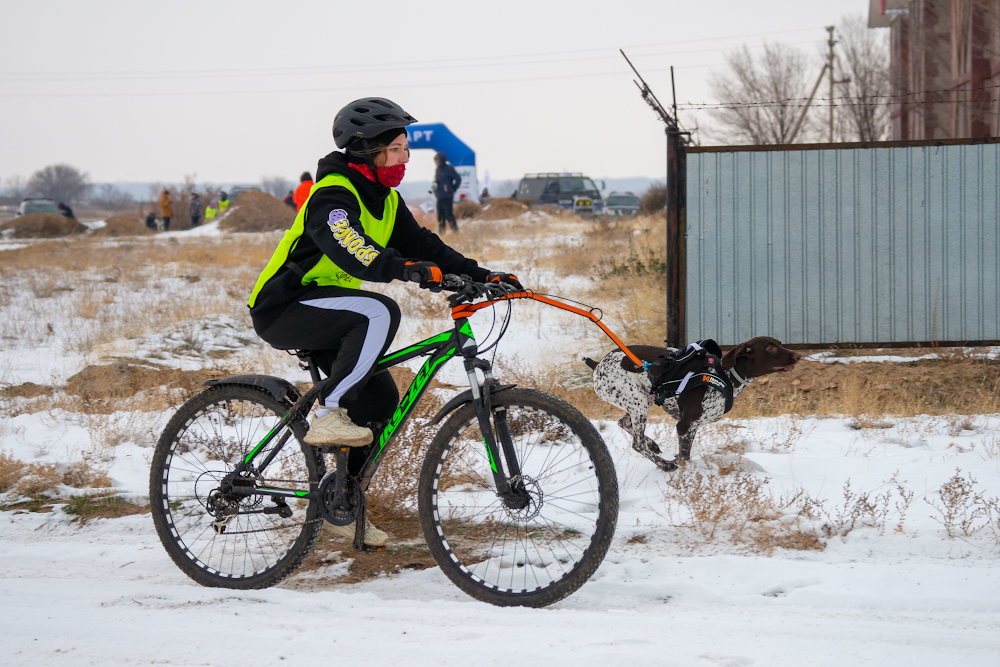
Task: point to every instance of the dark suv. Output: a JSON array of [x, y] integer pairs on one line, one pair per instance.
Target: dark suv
[[572, 191]]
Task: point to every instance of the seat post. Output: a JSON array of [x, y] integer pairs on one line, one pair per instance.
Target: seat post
[[313, 370], [306, 362]]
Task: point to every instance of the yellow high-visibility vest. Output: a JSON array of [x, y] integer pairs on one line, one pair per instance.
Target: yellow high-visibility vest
[[325, 272]]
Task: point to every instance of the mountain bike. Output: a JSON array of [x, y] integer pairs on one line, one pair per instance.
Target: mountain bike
[[517, 496]]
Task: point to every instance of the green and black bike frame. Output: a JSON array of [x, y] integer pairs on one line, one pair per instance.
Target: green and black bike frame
[[438, 349]]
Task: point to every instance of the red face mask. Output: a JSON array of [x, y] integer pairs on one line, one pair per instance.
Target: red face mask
[[390, 177]]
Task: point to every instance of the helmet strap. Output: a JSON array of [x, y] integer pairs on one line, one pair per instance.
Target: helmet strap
[[369, 157]]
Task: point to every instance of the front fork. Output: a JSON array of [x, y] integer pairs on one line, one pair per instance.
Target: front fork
[[496, 433]]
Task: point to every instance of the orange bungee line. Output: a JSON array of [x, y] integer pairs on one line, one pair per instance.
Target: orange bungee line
[[467, 309]]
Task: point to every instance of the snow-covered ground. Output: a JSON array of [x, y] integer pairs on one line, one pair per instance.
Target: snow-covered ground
[[890, 588]]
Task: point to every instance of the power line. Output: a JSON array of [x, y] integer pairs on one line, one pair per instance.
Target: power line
[[329, 89], [481, 61], [855, 100]]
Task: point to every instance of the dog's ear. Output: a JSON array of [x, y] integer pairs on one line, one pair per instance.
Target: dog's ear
[[741, 350]]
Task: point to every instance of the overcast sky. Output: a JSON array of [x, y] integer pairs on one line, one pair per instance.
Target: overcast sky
[[233, 91]]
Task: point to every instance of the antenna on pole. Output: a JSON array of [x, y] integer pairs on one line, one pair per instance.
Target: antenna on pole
[[650, 98], [673, 89], [676, 208]]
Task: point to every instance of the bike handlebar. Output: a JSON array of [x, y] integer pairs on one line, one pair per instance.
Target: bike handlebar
[[465, 288]]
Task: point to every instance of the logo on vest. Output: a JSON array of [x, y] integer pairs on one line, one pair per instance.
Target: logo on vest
[[349, 239]]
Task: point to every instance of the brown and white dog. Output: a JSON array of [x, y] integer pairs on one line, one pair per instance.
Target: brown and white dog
[[623, 384]]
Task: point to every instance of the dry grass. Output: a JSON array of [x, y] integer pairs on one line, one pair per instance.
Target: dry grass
[[100, 506], [865, 391], [104, 287], [571, 385], [719, 502], [35, 479], [714, 503], [466, 209], [10, 471]]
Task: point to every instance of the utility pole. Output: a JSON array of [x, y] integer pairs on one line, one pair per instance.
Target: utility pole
[[830, 42], [805, 109]]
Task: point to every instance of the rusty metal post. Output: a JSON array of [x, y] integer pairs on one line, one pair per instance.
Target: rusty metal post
[[676, 236]]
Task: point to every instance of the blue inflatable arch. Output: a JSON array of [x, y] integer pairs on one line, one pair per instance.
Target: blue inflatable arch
[[437, 137]]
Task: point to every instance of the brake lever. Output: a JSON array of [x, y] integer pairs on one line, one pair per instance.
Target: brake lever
[[493, 289]]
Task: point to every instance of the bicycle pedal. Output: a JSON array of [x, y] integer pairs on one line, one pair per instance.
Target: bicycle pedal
[[333, 449], [371, 548]]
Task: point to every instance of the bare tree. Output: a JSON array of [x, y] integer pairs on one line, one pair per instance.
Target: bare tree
[[60, 182], [276, 186], [15, 188], [866, 62], [111, 198], [763, 95]]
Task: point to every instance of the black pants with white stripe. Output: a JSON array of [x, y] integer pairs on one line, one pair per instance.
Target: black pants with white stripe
[[347, 330]]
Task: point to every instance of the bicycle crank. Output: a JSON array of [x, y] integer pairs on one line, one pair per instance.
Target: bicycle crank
[[339, 506]]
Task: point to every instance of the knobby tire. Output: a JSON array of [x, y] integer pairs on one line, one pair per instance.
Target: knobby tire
[[530, 556], [201, 442]]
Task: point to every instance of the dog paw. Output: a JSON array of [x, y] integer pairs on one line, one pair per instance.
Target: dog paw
[[662, 464], [667, 466], [647, 447]]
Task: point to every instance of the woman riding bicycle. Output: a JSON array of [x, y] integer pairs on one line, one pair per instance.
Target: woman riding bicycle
[[353, 227]]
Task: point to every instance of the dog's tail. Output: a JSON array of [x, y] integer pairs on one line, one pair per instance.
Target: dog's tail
[[590, 362]]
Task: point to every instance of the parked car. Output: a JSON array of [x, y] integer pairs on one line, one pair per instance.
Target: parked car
[[573, 191], [621, 204], [238, 190], [37, 205]]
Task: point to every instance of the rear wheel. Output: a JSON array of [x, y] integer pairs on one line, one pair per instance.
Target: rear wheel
[[538, 548], [262, 539]]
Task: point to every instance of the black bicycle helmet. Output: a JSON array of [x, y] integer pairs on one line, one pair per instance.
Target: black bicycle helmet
[[367, 118]]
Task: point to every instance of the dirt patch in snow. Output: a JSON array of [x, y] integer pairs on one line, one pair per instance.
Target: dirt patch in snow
[[502, 209], [124, 225], [956, 382], [25, 390], [406, 550], [258, 212], [121, 380], [41, 226]]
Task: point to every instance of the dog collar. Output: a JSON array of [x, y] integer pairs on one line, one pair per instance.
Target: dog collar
[[732, 371]]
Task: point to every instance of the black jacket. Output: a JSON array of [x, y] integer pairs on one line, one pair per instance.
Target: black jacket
[[409, 241], [447, 181]]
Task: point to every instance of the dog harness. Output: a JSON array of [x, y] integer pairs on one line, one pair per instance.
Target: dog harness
[[707, 371]]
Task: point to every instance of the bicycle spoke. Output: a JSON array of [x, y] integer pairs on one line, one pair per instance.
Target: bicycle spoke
[[203, 444], [537, 539]]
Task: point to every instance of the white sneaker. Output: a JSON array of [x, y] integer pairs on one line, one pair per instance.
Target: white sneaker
[[373, 536], [336, 428]]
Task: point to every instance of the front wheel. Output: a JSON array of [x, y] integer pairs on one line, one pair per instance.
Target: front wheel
[[536, 550]]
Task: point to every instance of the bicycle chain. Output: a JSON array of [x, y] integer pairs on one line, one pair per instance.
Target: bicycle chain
[[264, 530], [282, 527]]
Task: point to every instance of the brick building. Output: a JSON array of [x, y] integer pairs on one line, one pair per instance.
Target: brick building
[[945, 66]]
